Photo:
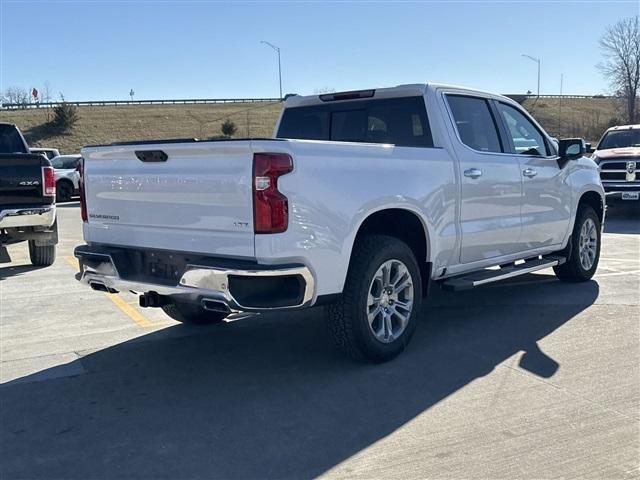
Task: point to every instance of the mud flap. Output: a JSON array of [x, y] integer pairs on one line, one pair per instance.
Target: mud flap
[[4, 255], [48, 236]]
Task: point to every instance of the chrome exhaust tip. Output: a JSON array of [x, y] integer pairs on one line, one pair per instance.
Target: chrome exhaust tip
[[100, 287], [213, 305]]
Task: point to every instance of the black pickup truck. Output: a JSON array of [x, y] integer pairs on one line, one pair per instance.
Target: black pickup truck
[[27, 198]]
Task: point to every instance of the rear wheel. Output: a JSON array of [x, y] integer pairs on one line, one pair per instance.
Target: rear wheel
[[41, 255], [192, 313], [377, 314], [64, 191], [582, 262]]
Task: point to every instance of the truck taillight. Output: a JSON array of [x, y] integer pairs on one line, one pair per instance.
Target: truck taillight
[[270, 207], [83, 199], [48, 182]]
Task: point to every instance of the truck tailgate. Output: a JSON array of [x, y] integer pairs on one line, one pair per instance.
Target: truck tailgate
[[21, 179], [197, 200]]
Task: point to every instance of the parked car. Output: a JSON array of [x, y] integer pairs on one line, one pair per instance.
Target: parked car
[[67, 176], [359, 202], [27, 197], [618, 156], [47, 152]]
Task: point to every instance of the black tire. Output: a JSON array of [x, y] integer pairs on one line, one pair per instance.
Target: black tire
[[347, 320], [64, 191], [192, 313], [573, 270], [41, 256]]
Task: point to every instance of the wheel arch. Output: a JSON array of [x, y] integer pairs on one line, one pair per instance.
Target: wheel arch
[[65, 180], [594, 200], [406, 225]]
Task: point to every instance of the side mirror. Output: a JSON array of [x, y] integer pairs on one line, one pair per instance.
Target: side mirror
[[570, 148], [589, 148]]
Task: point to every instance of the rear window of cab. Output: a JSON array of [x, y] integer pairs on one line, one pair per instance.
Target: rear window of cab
[[399, 121]]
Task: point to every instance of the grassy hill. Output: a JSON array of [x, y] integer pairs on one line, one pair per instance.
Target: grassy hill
[[586, 118], [144, 122]]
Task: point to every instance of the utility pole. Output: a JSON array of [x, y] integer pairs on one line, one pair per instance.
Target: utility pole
[[560, 105], [277, 49], [537, 60]]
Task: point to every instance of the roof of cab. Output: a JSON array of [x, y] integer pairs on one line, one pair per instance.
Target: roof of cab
[[399, 91], [624, 127], [408, 90]]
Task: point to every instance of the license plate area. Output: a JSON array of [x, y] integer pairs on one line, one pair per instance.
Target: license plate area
[[630, 195], [163, 266]]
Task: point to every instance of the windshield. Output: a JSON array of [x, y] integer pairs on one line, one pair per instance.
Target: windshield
[[620, 139], [61, 163]]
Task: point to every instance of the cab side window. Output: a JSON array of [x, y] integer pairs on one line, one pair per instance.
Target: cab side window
[[526, 138], [474, 122]]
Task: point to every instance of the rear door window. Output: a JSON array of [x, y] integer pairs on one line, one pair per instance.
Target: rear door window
[[399, 121], [475, 123]]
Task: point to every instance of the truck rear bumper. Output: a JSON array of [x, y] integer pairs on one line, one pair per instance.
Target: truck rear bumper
[[28, 217], [243, 287]]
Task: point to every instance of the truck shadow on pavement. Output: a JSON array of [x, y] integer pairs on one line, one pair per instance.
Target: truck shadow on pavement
[[266, 397], [11, 271]]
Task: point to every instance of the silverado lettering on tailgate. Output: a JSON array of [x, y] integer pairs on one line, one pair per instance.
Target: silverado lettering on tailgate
[[99, 216]]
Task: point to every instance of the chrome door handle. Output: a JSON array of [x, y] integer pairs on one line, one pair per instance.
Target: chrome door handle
[[473, 173], [529, 172]]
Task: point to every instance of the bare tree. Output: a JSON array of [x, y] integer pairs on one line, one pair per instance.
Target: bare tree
[[46, 98], [46, 92], [620, 47], [17, 95], [10, 95]]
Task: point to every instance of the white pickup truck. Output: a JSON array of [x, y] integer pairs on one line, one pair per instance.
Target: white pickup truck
[[359, 202]]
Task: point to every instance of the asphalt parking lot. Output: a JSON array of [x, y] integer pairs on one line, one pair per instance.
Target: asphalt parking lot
[[530, 379]]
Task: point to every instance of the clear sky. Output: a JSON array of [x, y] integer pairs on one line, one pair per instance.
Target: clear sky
[[206, 49]]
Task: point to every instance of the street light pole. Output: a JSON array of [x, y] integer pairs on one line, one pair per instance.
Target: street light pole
[[277, 49], [537, 60], [560, 105]]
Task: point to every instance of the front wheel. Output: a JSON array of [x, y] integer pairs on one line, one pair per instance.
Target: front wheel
[[582, 262], [377, 314], [192, 313]]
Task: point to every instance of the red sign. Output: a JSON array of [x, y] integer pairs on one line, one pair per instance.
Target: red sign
[[34, 92]]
